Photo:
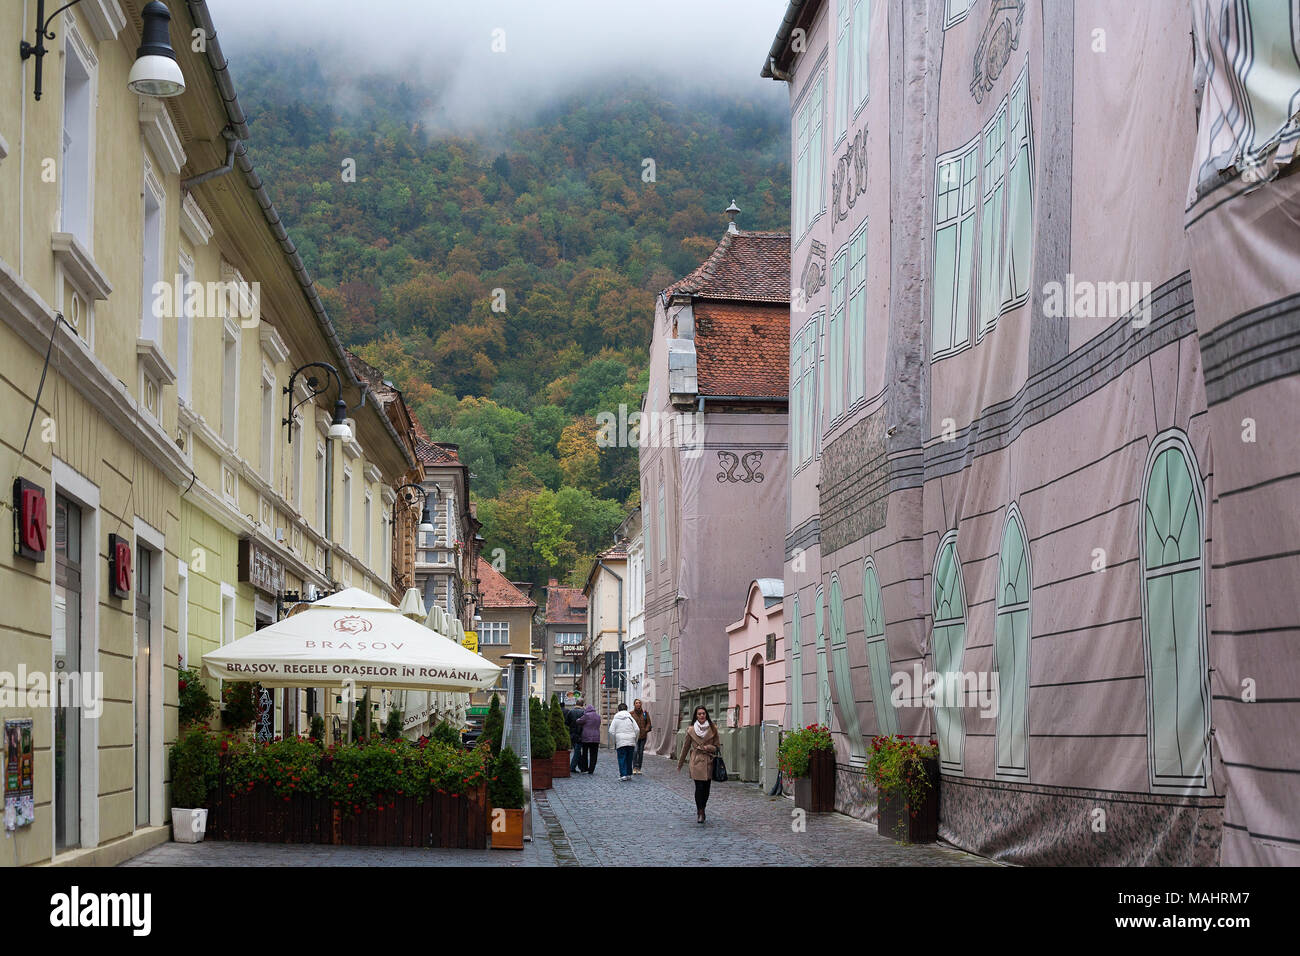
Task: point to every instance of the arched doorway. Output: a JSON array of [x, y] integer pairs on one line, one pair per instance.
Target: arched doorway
[[756, 690]]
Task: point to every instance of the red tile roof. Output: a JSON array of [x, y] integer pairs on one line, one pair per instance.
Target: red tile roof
[[745, 267], [565, 605], [496, 591], [436, 453], [742, 350]]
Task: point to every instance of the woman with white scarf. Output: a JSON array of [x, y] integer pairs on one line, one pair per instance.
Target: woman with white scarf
[[702, 744]]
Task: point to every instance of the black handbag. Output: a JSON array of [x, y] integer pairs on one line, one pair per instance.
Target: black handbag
[[719, 769]]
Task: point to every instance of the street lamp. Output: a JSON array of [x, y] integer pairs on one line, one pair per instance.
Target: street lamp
[[339, 428], [426, 522], [339, 431], [155, 71]]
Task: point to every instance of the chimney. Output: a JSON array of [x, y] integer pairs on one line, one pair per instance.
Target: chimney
[[732, 212]]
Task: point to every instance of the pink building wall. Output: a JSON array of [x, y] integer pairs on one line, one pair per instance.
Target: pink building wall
[[755, 676]]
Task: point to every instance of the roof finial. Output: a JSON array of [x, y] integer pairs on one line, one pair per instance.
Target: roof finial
[[732, 212]]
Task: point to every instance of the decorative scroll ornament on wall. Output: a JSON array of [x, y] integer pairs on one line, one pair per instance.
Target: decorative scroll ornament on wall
[[1001, 35], [751, 461], [850, 178], [814, 270]]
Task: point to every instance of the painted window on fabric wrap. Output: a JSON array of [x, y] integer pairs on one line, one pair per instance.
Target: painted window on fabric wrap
[[1011, 647], [873, 625], [861, 46], [857, 364], [954, 248], [949, 644], [843, 72], [796, 667], [1020, 198], [994, 188], [823, 678], [834, 382], [1173, 594], [848, 705]]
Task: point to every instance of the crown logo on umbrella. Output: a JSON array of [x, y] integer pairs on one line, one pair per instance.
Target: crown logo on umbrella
[[352, 624]]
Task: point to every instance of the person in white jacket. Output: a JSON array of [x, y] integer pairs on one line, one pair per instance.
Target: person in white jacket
[[623, 732]]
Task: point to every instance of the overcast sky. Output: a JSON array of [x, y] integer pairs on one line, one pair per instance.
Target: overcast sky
[[551, 46]]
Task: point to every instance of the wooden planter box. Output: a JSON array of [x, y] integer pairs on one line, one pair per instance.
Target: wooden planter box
[[542, 774], [895, 820], [512, 836], [560, 764], [438, 820], [815, 793]]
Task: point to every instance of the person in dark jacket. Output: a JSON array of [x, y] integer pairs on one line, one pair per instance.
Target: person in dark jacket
[[572, 716], [590, 723], [642, 718], [702, 744]]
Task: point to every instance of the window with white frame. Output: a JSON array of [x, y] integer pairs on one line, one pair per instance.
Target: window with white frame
[[494, 632], [184, 333], [567, 669], [569, 637], [151, 306], [297, 454], [320, 488], [366, 529], [78, 126], [810, 175], [269, 431], [347, 508], [230, 382]]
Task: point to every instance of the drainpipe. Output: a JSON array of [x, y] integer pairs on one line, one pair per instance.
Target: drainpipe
[[329, 509], [200, 178]]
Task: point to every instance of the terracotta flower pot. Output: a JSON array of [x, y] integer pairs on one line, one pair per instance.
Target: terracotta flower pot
[[895, 819], [542, 774], [560, 764], [507, 829]]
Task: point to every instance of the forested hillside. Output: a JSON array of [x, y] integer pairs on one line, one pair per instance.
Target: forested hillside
[[505, 280]]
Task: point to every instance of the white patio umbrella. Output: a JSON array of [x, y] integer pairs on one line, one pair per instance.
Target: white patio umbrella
[[351, 638]]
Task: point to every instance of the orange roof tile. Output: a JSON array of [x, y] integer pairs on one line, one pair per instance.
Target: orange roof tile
[[496, 590], [743, 350]]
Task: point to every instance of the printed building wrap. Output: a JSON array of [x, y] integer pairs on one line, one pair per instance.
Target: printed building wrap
[[1045, 335]]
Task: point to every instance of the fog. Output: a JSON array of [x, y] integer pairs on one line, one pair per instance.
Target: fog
[[495, 61]]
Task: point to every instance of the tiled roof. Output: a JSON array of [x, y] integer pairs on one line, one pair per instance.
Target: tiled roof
[[436, 453], [742, 350], [495, 590], [745, 267], [565, 605]]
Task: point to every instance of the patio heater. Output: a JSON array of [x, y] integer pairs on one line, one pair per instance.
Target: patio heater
[[516, 734]]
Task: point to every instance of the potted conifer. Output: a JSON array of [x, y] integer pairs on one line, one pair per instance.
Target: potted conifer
[[560, 734], [506, 794], [542, 743], [194, 763], [494, 725]]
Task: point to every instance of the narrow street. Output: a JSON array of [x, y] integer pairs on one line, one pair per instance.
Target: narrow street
[[599, 821]]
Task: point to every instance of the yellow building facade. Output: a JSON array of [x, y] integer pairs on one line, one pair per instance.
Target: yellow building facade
[[149, 452]]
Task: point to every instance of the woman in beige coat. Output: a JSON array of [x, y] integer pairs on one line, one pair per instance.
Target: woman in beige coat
[[702, 744]]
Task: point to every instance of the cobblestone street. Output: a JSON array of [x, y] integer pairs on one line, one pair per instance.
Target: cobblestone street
[[599, 821]]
